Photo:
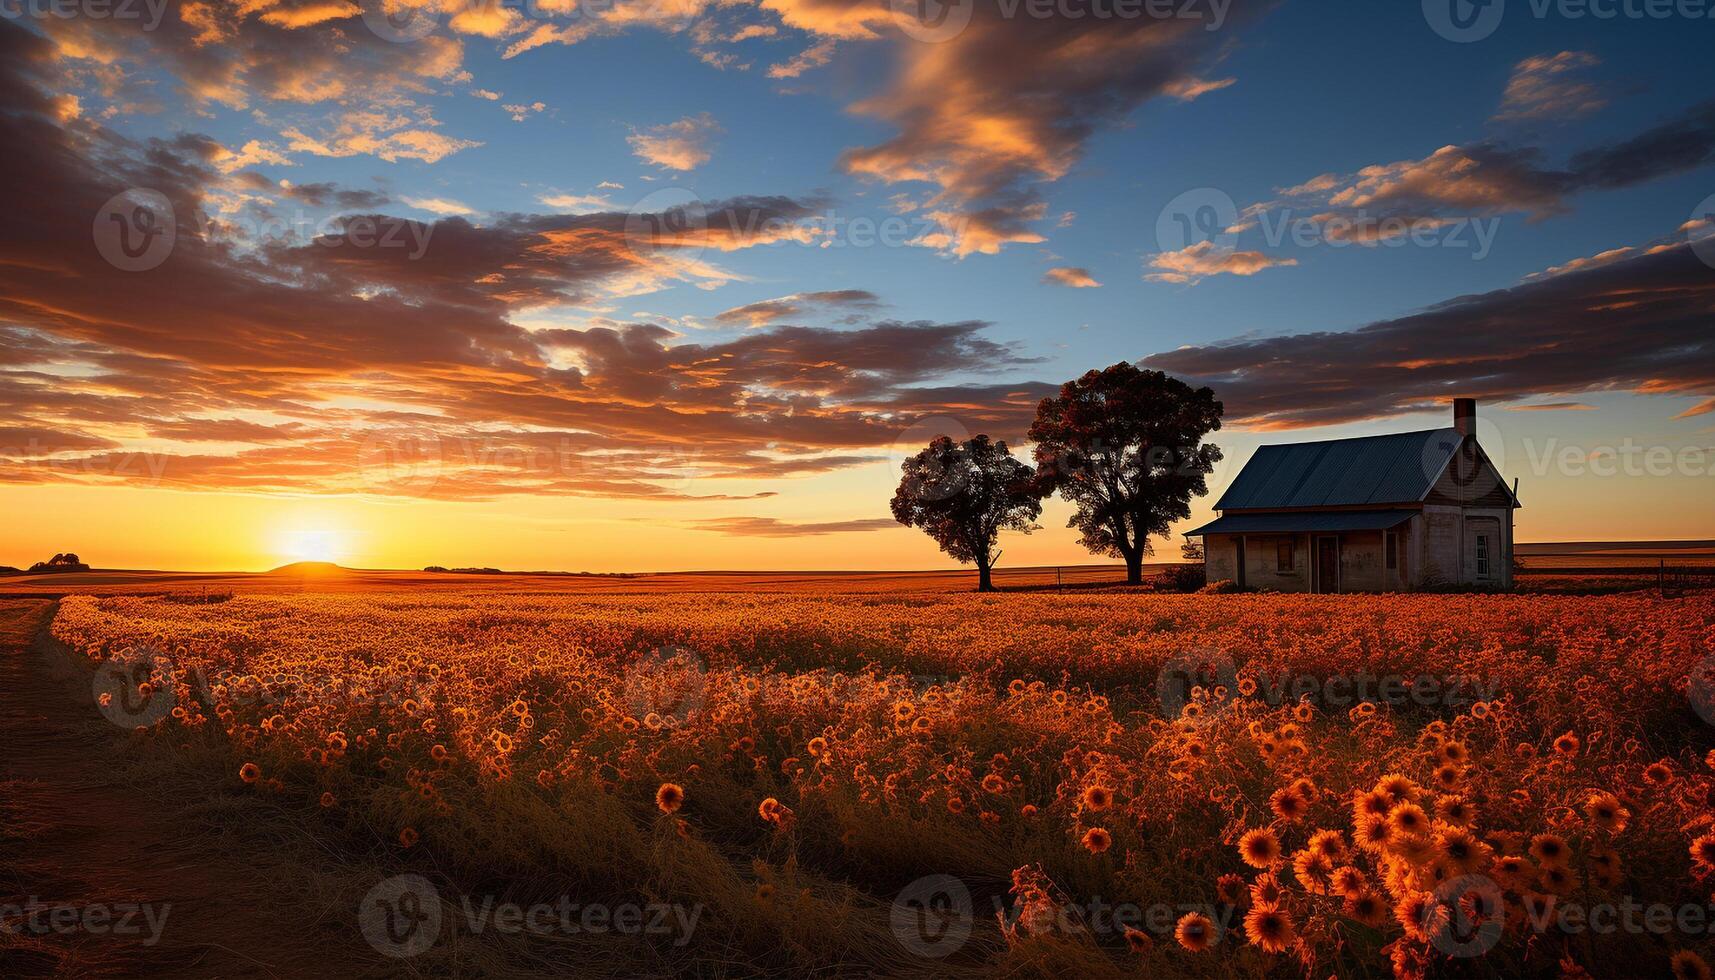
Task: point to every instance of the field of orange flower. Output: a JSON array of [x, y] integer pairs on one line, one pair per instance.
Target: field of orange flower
[[1087, 784]]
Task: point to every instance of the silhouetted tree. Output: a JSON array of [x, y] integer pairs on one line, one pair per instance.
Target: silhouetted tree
[[964, 494], [1125, 446]]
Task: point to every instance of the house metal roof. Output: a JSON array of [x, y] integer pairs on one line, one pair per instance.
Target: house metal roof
[[1366, 471], [1292, 523]]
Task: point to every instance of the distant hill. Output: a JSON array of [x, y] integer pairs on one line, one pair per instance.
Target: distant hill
[[310, 568]]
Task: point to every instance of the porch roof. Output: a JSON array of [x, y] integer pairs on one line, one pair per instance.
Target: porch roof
[[1288, 523]]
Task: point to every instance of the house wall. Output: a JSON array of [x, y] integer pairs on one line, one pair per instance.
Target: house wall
[[1363, 560], [1450, 551], [1219, 558]]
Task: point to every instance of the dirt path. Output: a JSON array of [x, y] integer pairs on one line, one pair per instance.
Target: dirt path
[[101, 878]]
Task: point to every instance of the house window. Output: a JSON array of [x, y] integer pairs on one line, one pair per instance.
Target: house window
[[1392, 550], [1283, 556], [1482, 555]]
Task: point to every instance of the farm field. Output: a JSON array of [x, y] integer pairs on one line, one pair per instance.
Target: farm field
[[850, 784]]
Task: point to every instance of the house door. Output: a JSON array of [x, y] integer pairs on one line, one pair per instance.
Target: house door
[[1239, 573], [1327, 564]]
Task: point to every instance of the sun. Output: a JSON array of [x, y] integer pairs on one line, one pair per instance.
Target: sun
[[317, 544]]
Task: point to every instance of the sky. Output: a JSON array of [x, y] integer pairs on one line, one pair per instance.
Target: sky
[[677, 284]]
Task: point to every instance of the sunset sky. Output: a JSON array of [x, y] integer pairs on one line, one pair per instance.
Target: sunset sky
[[676, 284]]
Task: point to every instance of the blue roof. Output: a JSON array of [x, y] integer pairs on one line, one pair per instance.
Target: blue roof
[[1320, 520], [1361, 472]]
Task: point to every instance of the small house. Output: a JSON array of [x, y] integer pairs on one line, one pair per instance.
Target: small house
[[1386, 513]]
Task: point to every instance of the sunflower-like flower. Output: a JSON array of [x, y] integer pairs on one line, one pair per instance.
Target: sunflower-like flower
[[1606, 812], [1195, 931], [670, 797], [1550, 850], [1260, 848], [1270, 928], [1687, 965]]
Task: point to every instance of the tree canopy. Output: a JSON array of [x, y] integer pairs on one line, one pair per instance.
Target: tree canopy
[[1125, 447], [964, 494]]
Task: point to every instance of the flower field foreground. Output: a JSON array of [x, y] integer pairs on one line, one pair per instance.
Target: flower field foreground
[[1069, 784]]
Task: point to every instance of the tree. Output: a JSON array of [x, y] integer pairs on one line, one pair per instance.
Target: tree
[[1125, 446], [964, 494]]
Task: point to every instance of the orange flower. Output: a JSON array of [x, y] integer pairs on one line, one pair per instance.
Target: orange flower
[[1606, 812], [1568, 745], [1195, 932], [1366, 907], [408, 837], [1097, 840], [1270, 928], [670, 797], [1288, 803], [1407, 819], [1259, 848], [1550, 850], [1098, 797], [1137, 940], [250, 772], [1421, 916], [1687, 965], [1703, 852]]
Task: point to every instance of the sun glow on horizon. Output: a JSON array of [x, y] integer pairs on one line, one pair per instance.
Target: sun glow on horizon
[[311, 544]]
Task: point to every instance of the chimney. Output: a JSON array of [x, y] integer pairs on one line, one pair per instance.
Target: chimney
[[1465, 416]]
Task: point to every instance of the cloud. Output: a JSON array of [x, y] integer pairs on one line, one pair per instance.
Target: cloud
[[1489, 178], [382, 356], [769, 527], [989, 115], [1548, 86], [815, 56], [576, 203], [1196, 262], [682, 145], [523, 111], [385, 133], [767, 311], [1638, 324], [1189, 88], [437, 205], [1072, 276]]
